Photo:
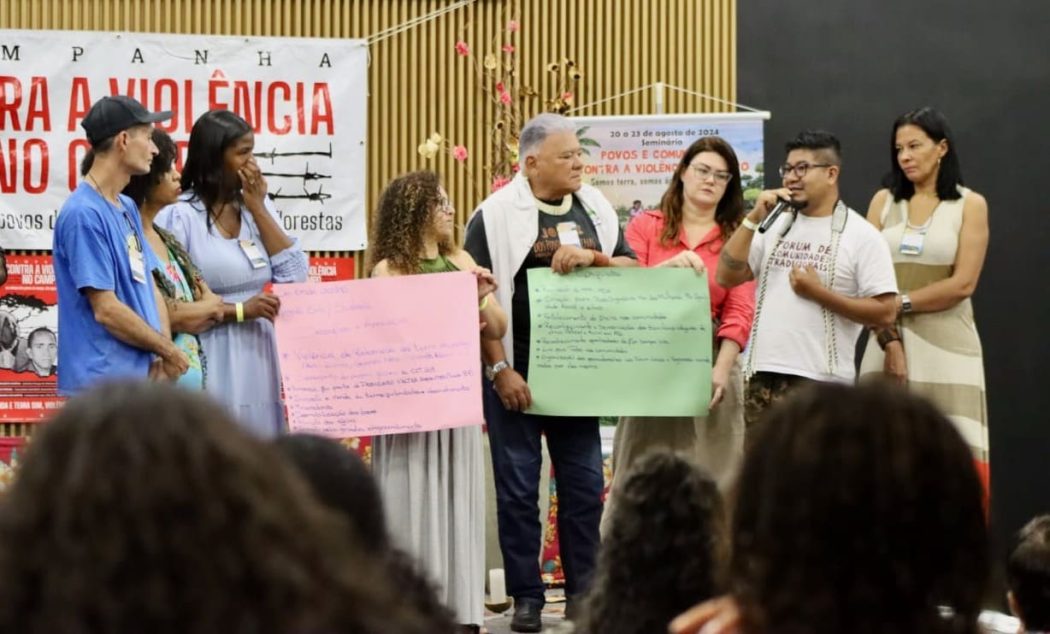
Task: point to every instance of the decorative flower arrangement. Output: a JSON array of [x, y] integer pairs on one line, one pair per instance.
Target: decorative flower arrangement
[[498, 72], [436, 143]]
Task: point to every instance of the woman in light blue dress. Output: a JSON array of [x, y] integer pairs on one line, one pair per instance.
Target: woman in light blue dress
[[233, 235]]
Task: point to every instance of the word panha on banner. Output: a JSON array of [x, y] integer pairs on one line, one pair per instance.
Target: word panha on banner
[[305, 99]]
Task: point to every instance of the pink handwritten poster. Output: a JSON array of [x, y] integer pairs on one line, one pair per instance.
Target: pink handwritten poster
[[380, 356]]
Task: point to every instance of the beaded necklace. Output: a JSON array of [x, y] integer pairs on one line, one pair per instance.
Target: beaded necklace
[[838, 224]]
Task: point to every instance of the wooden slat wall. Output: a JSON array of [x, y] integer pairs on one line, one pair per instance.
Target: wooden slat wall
[[418, 85]]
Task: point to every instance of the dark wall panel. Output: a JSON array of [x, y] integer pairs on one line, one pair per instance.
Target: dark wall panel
[[852, 67]]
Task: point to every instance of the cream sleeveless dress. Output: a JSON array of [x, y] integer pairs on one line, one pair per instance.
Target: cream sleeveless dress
[[943, 349]]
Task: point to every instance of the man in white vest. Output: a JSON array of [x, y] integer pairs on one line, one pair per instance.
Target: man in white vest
[[545, 217]]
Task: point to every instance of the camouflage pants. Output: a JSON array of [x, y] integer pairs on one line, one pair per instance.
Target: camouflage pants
[[764, 389]]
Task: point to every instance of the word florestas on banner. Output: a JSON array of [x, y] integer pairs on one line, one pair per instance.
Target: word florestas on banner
[[305, 100]]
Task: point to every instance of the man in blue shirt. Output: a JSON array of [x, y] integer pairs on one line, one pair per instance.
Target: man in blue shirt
[[109, 326]]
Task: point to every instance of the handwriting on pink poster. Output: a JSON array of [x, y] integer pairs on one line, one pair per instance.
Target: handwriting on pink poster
[[380, 356]]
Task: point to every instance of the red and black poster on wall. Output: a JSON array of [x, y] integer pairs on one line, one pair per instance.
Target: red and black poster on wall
[[28, 340]]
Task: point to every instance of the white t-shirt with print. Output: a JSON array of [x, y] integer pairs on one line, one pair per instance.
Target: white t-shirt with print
[[789, 334]]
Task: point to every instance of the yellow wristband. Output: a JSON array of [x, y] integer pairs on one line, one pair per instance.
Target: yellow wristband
[[484, 303], [240, 312]]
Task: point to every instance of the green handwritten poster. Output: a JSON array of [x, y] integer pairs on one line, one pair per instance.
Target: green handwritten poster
[[619, 342]]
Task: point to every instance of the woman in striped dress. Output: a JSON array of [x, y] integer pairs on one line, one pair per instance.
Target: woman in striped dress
[[938, 233]]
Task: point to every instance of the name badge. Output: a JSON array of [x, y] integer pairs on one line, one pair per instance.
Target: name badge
[[911, 242], [568, 233], [253, 253], [136, 259]]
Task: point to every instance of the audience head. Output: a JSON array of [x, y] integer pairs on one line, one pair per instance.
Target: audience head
[[160, 186], [922, 147], [144, 508], [412, 208], [811, 169], [707, 175], [343, 483], [1028, 575], [663, 550], [858, 509], [551, 156], [221, 142]]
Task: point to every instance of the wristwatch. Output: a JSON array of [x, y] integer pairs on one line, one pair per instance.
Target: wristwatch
[[905, 304], [492, 370]]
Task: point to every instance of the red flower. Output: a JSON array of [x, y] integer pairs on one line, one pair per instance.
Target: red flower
[[499, 182], [500, 87], [459, 153], [508, 48], [504, 98], [566, 97], [513, 26], [462, 49]]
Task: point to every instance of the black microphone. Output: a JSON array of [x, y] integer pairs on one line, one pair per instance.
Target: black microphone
[[772, 216]]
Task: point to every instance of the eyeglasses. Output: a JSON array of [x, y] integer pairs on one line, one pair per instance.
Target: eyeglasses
[[799, 169], [444, 206], [704, 172]]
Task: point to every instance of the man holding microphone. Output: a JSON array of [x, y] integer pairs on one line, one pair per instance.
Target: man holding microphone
[[823, 274]]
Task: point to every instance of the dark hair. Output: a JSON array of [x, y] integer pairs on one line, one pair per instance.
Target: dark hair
[[404, 211], [39, 331], [140, 185], [949, 174], [858, 510], [143, 508], [204, 170], [1028, 574], [818, 141], [663, 550], [343, 483], [103, 146], [730, 208]]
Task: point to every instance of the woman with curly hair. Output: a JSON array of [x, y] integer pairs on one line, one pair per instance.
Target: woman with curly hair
[[662, 550], [143, 508], [191, 306], [700, 209], [858, 510], [433, 483]]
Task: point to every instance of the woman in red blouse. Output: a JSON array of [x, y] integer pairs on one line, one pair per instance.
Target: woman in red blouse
[[699, 211]]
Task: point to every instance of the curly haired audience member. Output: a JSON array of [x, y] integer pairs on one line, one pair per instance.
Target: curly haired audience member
[[662, 549], [343, 483], [858, 510], [1028, 576], [143, 508]]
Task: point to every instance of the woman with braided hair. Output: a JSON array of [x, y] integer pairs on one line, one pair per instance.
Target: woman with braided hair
[[191, 306]]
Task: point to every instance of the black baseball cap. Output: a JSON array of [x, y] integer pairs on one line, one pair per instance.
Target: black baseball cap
[[112, 115]]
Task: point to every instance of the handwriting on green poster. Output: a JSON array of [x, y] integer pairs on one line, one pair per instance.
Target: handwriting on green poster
[[619, 342]]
